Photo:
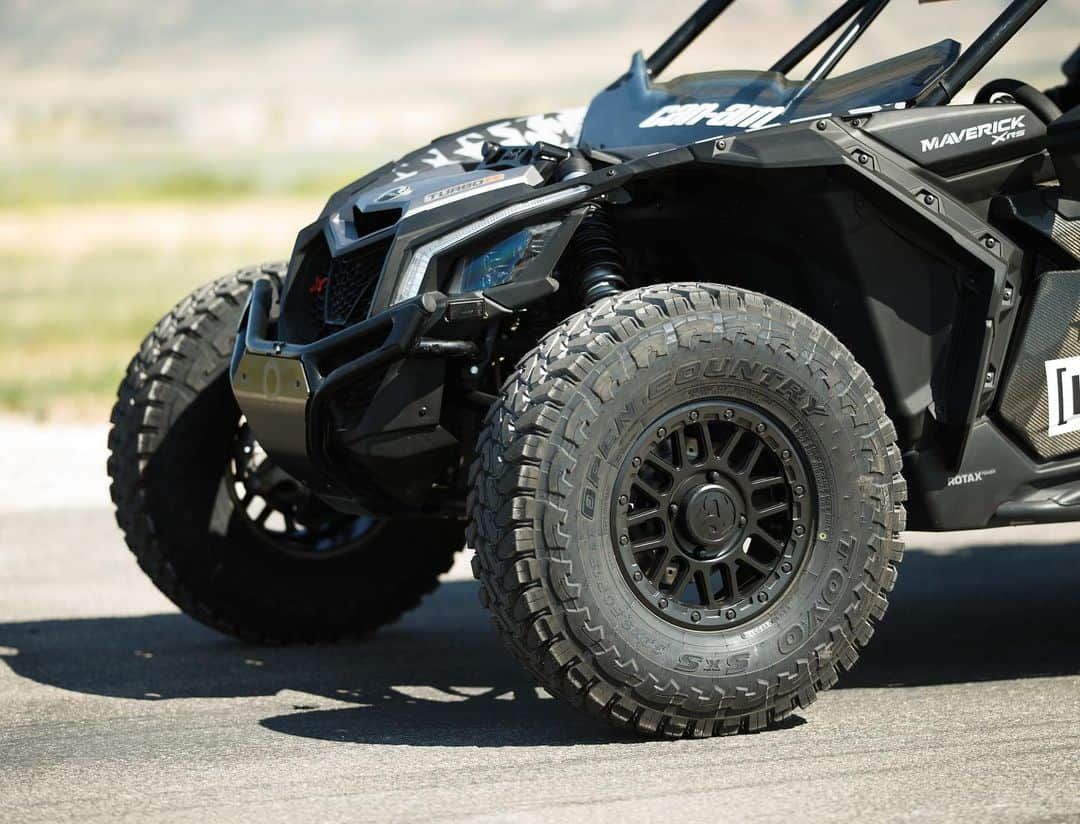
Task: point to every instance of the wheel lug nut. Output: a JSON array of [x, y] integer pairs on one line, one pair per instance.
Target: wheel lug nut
[[800, 529], [663, 603], [714, 477], [730, 615], [623, 540], [784, 567], [695, 616], [742, 520]]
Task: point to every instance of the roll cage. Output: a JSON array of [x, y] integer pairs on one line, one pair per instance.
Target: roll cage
[[855, 16]]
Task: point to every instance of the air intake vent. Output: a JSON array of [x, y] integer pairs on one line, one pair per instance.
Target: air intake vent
[[353, 279], [368, 223]]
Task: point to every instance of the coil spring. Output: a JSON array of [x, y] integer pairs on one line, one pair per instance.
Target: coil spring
[[599, 263]]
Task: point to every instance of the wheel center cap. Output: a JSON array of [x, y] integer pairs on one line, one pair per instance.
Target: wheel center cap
[[711, 514]]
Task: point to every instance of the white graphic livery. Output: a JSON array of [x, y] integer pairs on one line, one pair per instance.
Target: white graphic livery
[[742, 115], [1063, 395], [1001, 131]]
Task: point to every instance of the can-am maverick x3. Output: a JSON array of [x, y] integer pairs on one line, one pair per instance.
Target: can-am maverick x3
[[672, 366]]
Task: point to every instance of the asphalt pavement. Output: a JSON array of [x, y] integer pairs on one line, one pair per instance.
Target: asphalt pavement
[[115, 707]]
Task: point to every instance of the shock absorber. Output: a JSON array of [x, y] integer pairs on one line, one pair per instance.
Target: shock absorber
[[601, 270]]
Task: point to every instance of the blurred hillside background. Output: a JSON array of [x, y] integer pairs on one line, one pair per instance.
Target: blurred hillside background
[[146, 148]]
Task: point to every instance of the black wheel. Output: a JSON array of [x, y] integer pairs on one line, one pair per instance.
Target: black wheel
[[230, 538], [686, 508]]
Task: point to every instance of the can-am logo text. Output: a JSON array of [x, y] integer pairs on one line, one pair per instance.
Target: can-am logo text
[[742, 115], [1001, 131]]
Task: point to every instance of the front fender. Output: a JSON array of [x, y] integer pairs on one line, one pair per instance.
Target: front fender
[[447, 154]]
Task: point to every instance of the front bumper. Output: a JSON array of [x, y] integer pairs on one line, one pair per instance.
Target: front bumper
[[355, 415]]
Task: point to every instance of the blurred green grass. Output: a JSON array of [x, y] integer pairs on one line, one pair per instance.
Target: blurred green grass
[[41, 178], [93, 253]]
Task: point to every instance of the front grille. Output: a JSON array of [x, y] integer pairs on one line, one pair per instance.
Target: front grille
[[353, 278], [328, 294]]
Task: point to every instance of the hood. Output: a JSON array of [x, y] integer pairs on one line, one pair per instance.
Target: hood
[[636, 112]]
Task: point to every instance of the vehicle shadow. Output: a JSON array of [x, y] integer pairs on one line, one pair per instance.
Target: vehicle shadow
[[440, 676]]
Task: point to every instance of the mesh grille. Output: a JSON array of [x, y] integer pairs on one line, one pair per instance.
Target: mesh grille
[[353, 279], [1066, 233], [1051, 333]]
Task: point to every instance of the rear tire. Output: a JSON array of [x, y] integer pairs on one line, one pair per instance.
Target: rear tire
[[175, 425], [580, 549]]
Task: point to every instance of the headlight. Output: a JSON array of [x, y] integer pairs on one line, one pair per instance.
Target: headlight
[[412, 278], [502, 261]]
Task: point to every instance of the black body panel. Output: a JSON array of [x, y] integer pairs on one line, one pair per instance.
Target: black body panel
[[960, 138], [921, 235]]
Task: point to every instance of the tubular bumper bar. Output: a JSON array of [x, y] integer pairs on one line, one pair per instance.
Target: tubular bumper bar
[[284, 390]]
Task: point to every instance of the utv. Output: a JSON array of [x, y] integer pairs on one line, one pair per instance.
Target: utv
[[672, 365]]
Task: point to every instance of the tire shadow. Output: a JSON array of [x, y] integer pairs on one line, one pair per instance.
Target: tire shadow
[[440, 677], [982, 613]]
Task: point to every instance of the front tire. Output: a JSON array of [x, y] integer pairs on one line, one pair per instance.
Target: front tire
[[686, 508], [195, 499]]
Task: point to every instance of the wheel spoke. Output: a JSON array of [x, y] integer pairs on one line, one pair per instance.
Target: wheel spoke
[[267, 510], [660, 569], [706, 445], [767, 483], [729, 447], [663, 465], [731, 574], [681, 578], [704, 587], [752, 460], [754, 564], [678, 449], [640, 516], [647, 544], [770, 510], [650, 490], [775, 543]]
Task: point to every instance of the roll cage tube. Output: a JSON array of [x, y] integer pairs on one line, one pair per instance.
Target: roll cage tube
[[685, 35], [988, 44]]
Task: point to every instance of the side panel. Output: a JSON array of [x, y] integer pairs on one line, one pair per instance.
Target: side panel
[[1046, 370], [952, 139]]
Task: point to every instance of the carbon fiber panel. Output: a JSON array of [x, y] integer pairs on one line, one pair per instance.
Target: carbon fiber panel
[[1066, 233], [1052, 331]]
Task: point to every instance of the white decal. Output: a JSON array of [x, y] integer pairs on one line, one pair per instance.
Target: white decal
[[1063, 395], [461, 188], [394, 194], [999, 131], [741, 115], [971, 477], [436, 159]]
